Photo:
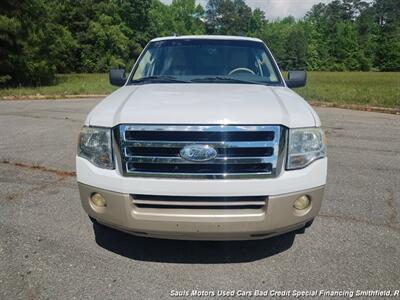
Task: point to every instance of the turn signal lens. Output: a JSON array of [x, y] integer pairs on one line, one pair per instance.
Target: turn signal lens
[[302, 202], [98, 200]]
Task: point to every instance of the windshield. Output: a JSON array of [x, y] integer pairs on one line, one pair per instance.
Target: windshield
[[201, 60]]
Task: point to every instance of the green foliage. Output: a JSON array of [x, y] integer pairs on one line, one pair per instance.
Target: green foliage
[[228, 17], [256, 23], [388, 52], [39, 38], [182, 17], [186, 17], [60, 46], [22, 30], [295, 56], [344, 48], [107, 45]]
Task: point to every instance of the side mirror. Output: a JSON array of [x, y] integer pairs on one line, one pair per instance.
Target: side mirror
[[296, 79], [117, 77]]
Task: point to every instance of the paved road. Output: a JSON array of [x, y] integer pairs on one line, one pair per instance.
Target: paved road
[[49, 249]]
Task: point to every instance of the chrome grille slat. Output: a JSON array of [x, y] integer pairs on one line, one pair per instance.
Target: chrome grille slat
[[194, 175], [206, 128], [218, 160], [199, 204], [243, 151], [180, 144]]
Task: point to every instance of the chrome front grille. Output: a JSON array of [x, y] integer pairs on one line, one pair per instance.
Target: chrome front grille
[[246, 151]]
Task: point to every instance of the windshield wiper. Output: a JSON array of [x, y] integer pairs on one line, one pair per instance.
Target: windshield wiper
[[160, 79], [224, 79]]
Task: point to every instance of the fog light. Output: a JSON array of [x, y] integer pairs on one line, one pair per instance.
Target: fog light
[[98, 200], [302, 202]]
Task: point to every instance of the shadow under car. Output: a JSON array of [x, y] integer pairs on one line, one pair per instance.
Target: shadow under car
[[188, 252]]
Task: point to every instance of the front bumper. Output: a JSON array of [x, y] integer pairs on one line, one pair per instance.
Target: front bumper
[[276, 217]]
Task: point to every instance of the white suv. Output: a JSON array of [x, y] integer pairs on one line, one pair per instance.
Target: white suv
[[204, 140]]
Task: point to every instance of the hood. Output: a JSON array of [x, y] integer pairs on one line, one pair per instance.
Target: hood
[[203, 104]]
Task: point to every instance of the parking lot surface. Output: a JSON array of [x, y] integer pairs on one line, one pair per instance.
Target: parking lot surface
[[50, 250]]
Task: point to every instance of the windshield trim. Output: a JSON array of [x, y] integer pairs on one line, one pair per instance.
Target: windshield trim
[[281, 81]]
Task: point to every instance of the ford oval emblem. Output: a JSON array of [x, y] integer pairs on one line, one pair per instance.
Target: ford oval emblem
[[198, 153]]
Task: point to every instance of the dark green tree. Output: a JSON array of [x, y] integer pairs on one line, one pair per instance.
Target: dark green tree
[[275, 35], [344, 48], [257, 22], [187, 17], [388, 50], [228, 17], [23, 59], [296, 47]]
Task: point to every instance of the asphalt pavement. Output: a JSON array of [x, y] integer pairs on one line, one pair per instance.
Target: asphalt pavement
[[50, 250]]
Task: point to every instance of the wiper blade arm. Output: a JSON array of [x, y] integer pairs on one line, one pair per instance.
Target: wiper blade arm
[[160, 79], [222, 78]]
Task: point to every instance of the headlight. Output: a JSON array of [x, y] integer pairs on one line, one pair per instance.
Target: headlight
[[305, 146], [95, 145]]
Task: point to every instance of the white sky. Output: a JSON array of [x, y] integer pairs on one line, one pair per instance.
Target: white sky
[[277, 8]]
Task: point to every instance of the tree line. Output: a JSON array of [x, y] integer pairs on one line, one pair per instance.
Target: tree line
[[40, 38]]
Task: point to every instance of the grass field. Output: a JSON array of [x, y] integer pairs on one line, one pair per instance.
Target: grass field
[[363, 88], [71, 84]]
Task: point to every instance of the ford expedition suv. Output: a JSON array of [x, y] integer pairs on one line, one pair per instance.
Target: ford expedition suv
[[204, 140]]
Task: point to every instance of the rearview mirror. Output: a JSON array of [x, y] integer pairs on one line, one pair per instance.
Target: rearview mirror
[[117, 77], [296, 79]]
